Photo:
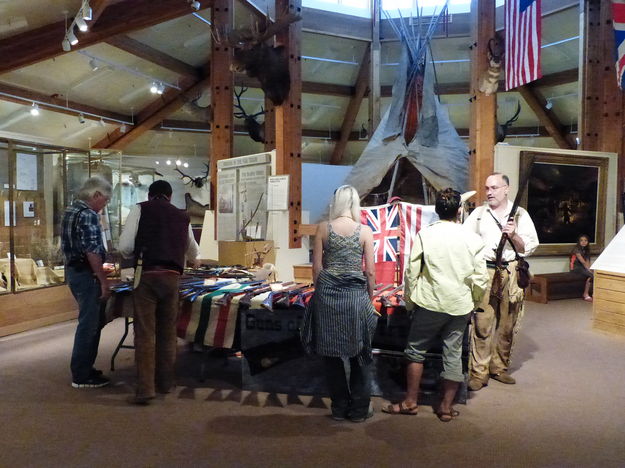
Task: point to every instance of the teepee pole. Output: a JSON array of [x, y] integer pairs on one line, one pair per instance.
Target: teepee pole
[[390, 190]]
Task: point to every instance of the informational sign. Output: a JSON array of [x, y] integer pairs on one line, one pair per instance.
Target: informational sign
[[26, 171], [226, 204], [253, 200], [29, 209], [278, 193]]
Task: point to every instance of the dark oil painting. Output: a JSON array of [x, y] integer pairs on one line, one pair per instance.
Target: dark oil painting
[[562, 201]]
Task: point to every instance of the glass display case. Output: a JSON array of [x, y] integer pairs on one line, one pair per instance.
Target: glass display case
[[37, 182]]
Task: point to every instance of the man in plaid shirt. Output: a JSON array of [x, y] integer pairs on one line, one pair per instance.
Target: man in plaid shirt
[[84, 252]]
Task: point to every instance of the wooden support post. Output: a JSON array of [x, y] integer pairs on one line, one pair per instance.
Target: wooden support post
[[270, 126], [602, 114], [289, 120], [483, 108], [222, 81]]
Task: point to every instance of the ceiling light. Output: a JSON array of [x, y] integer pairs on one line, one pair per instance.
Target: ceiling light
[[186, 165], [34, 110], [123, 128], [178, 162], [154, 88], [81, 118], [93, 64], [102, 122], [157, 162], [160, 89], [81, 24], [87, 13], [71, 37], [549, 104], [195, 4], [168, 162], [66, 45]]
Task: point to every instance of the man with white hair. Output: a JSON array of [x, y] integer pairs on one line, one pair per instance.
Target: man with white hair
[[84, 252]]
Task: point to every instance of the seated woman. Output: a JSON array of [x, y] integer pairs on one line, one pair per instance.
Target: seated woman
[[580, 263]]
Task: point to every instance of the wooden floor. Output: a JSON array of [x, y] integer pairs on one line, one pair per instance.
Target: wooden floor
[[566, 410]]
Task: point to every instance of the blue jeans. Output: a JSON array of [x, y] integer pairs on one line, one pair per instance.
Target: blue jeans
[[86, 290]]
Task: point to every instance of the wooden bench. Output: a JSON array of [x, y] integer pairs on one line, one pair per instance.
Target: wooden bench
[[547, 286]]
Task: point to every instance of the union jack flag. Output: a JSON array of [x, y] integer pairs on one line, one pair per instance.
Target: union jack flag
[[618, 20], [394, 227]]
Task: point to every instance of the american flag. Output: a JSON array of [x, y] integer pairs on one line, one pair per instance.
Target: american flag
[[522, 20], [413, 219], [618, 20]]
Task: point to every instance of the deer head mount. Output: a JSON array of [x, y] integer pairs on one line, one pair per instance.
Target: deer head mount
[[254, 57], [255, 129], [501, 130], [195, 181], [490, 79]]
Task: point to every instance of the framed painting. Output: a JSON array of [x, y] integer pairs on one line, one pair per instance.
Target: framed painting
[[566, 197]]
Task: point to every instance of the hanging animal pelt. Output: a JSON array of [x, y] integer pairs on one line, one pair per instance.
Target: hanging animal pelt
[[257, 59], [489, 82]]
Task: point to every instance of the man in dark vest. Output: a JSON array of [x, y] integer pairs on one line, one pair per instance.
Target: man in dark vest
[[159, 236]]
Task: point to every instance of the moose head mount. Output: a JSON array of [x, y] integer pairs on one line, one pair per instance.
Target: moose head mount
[[254, 57], [197, 182], [255, 129], [501, 130]]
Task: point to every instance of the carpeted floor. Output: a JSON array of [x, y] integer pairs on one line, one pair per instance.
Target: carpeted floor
[[564, 411]]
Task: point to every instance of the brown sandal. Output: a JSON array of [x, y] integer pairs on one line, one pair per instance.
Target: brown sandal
[[447, 416], [401, 409]]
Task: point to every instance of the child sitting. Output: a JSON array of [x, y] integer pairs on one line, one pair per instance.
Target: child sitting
[[580, 263]]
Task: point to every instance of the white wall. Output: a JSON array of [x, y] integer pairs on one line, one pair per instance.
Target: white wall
[[507, 161]]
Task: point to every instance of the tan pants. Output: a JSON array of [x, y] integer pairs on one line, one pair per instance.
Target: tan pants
[[155, 314], [494, 325]]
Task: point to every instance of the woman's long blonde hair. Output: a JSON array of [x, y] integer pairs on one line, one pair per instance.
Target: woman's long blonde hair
[[345, 199]]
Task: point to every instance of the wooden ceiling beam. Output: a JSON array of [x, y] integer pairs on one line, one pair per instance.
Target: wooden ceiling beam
[[97, 8], [24, 96], [546, 117], [153, 114], [152, 55], [44, 43]]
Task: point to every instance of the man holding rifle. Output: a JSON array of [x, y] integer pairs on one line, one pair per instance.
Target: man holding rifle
[[504, 228]]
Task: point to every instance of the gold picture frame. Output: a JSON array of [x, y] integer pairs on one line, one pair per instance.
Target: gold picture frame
[[566, 197]]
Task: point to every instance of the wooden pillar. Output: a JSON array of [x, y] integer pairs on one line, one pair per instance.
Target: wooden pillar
[[289, 120], [222, 84], [601, 111], [374, 69], [270, 126], [483, 108]]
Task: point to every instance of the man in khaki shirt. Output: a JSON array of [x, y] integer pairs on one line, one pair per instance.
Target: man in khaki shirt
[[496, 321], [445, 278]]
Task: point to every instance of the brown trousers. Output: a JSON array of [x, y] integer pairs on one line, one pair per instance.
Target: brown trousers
[[495, 323], [155, 314]]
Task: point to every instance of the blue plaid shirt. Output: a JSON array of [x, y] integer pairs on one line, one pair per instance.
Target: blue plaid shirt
[[86, 235]]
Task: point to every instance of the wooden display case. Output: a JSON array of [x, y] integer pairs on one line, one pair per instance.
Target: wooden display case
[[609, 302]]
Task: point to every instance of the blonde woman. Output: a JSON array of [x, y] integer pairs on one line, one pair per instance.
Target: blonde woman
[[340, 320]]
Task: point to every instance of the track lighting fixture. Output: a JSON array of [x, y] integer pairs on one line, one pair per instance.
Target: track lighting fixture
[[168, 162], [548, 104], [81, 118], [154, 88], [178, 162], [82, 25], [195, 4], [123, 128], [102, 123], [34, 109], [160, 89], [185, 165], [157, 163], [87, 14], [71, 37], [66, 45]]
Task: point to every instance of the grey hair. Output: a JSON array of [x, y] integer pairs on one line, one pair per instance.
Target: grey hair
[[345, 199], [92, 185]]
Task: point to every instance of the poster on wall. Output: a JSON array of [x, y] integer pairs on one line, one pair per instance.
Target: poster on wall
[[7, 214], [278, 193], [29, 209], [26, 171], [253, 200], [226, 204]]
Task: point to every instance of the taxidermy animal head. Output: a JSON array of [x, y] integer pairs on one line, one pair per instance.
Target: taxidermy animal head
[[195, 181], [501, 130], [489, 82], [256, 58], [255, 130]]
